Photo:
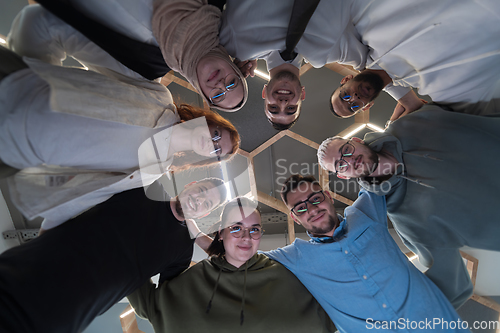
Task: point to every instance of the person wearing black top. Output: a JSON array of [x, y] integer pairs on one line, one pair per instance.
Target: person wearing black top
[[61, 280]]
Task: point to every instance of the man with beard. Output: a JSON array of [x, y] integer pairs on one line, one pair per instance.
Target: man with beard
[[353, 267], [357, 93], [434, 168], [61, 280]]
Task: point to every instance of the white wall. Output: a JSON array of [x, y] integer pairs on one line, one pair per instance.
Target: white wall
[[488, 271]]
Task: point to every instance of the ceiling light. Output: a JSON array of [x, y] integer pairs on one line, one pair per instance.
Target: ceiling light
[[262, 75], [374, 127], [2, 41], [356, 130], [123, 315]]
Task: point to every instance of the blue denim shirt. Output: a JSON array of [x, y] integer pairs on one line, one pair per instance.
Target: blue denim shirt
[[363, 280]]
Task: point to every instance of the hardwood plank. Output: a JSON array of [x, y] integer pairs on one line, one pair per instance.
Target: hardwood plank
[[272, 202], [291, 229], [266, 144], [305, 68], [302, 139]]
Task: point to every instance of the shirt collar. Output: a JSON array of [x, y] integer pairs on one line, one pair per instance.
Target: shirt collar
[[340, 231], [274, 60]]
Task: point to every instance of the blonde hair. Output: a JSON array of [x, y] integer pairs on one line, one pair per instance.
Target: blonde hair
[[322, 151]]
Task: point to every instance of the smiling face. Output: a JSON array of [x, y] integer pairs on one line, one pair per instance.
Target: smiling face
[[212, 72], [202, 141], [363, 89], [239, 250], [320, 219], [283, 96], [199, 199], [363, 162]]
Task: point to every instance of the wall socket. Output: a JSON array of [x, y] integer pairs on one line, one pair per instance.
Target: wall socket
[[23, 235], [10, 234], [27, 234]]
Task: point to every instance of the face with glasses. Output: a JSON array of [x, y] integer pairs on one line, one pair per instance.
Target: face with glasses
[[219, 82], [242, 234], [356, 93], [350, 158], [313, 209], [212, 141]]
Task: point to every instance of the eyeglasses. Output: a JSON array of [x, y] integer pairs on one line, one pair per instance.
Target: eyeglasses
[[314, 199], [346, 150], [217, 95], [215, 139], [356, 105], [255, 232]]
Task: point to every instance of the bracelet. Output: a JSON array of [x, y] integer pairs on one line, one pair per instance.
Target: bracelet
[[198, 234]]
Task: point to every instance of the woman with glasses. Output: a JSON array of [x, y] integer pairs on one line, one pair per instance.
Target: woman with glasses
[[235, 290]]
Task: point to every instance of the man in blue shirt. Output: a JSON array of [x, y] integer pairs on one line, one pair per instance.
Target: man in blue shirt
[[355, 270]]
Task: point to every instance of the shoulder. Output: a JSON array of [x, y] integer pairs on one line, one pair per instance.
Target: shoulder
[[368, 206], [290, 253]]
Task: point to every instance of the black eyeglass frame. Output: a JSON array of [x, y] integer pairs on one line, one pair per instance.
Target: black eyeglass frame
[[347, 164], [308, 200]]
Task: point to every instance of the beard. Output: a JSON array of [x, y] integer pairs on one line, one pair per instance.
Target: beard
[[332, 223], [372, 79], [371, 163]]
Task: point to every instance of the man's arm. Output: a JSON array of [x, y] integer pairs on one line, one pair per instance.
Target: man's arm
[[372, 205], [407, 104], [201, 239], [143, 300], [37, 33], [449, 273]]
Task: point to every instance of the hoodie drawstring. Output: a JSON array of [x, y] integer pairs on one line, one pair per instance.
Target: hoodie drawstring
[[209, 306], [242, 315], [417, 181]]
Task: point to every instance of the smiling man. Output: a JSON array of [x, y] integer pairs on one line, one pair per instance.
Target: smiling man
[[353, 267], [357, 93], [283, 95], [107, 252], [420, 165]]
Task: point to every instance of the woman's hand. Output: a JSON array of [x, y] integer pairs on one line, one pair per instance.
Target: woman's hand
[[247, 67]]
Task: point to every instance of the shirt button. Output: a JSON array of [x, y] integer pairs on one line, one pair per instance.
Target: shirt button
[[384, 305], [346, 252], [131, 177], [364, 277]]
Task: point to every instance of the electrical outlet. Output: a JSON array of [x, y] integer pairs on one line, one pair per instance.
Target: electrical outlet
[[10, 234], [27, 234]]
